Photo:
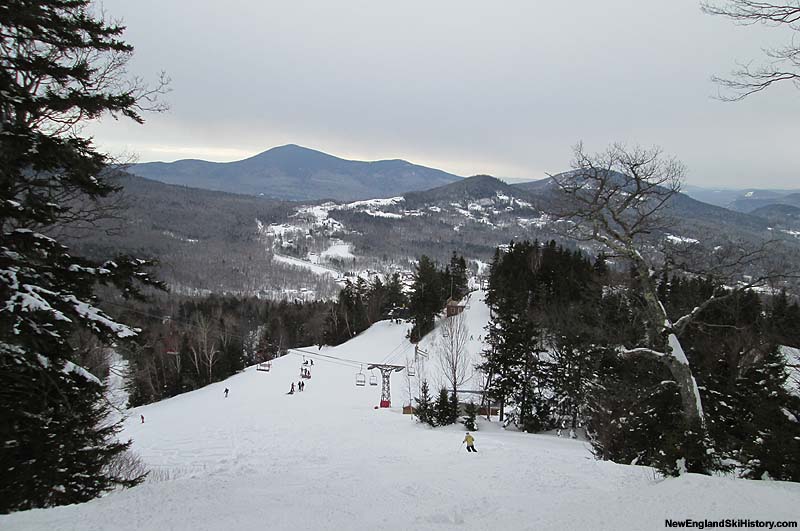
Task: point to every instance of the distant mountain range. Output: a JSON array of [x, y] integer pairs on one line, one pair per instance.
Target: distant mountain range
[[222, 242], [296, 173], [780, 208], [743, 200], [694, 216]]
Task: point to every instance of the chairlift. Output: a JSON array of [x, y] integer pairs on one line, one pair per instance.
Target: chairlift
[[410, 369], [361, 380], [373, 380], [264, 367], [171, 344]]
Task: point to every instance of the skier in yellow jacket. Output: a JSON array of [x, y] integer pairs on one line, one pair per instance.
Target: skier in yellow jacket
[[470, 440]]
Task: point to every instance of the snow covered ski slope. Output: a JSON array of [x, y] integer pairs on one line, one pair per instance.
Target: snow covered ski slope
[[326, 459]]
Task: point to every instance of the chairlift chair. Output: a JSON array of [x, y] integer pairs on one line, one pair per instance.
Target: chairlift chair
[[265, 366], [410, 369], [373, 380], [361, 380]]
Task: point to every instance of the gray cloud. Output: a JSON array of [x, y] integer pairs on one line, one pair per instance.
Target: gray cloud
[[470, 87]]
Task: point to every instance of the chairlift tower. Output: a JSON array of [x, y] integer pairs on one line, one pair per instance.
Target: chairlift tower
[[386, 372]]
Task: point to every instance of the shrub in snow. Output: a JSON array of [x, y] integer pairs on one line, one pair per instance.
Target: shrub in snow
[[469, 419]]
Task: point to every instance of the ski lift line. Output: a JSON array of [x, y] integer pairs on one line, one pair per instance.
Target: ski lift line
[[395, 348], [329, 359], [397, 356], [334, 362], [302, 352], [311, 354], [403, 342]]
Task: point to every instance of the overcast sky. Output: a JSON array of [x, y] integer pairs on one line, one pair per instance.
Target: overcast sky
[[504, 88]]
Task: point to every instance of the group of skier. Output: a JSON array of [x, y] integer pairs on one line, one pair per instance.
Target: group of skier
[[469, 440], [304, 374]]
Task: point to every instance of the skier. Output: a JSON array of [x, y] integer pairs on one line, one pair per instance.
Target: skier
[[470, 440], [142, 418], [312, 363], [226, 392], [291, 391]]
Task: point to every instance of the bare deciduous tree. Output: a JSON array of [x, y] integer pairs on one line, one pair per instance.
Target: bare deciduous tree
[[618, 198], [782, 63], [203, 346], [452, 350]]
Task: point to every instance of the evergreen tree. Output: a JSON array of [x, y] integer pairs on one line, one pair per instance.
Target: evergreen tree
[[360, 303], [784, 323], [425, 407], [376, 301], [62, 456], [443, 409], [453, 407], [396, 301], [513, 337], [769, 422], [426, 297], [471, 412], [456, 278], [60, 66]]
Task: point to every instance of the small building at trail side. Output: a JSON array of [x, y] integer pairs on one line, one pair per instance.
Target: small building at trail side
[[453, 307]]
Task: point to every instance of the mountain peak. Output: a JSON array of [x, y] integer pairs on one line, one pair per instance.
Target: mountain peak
[[290, 152], [300, 173], [470, 188]]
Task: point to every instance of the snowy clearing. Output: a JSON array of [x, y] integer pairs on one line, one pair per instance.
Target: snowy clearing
[[297, 262], [338, 249]]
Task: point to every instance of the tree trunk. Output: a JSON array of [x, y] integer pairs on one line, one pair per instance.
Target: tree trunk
[[687, 386], [674, 357]]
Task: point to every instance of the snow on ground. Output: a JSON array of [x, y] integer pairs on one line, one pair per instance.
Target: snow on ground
[[679, 239], [338, 249], [381, 214], [539, 222], [326, 459], [297, 262], [475, 316], [391, 201], [792, 356]]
